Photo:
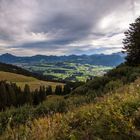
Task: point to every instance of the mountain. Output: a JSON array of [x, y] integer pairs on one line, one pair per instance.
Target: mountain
[[95, 59]]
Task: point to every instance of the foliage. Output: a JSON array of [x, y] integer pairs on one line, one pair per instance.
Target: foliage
[[12, 95], [114, 116], [58, 90], [119, 76], [132, 43], [53, 104], [67, 89]]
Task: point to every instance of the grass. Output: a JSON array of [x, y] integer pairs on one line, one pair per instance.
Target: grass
[[21, 80], [114, 116]]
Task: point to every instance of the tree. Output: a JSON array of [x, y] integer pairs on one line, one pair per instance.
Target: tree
[[3, 96], [49, 90], [132, 43], [67, 89], [42, 93], [27, 95], [19, 96], [36, 98], [58, 90], [11, 95]]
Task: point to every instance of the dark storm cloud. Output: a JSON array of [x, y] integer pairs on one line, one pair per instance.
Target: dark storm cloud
[[73, 20], [63, 26]]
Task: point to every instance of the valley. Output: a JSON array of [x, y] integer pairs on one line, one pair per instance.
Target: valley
[[71, 68], [66, 71]]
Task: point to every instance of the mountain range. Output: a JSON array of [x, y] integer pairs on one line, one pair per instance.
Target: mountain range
[[95, 59]]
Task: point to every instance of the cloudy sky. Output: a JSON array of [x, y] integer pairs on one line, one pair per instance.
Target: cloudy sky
[[63, 27]]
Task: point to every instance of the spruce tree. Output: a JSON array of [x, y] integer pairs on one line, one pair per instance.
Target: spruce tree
[[3, 96], [58, 90], [36, 98], [67, 89], [11, 95], [27, 95], [49, 90], [132, 43], [42, 93]]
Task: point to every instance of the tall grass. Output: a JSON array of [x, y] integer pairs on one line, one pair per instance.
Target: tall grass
[[114, 116]]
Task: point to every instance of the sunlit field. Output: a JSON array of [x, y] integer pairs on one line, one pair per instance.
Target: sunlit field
[[21, 80]]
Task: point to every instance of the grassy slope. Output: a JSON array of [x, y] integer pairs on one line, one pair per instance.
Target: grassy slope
[[114, 116], [21, 80]]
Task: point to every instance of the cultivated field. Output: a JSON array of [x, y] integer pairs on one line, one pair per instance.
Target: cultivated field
[[67, 71]]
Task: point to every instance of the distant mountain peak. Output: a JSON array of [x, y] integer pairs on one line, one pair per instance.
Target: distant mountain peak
[[95, 59], [7, 55]]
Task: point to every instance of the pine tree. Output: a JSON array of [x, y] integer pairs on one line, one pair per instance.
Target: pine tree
[[19, 96], [27, 95], [67, 89], [49, 90], [58, 90], [36, 98], [3, 96], [11, 95], [132, 43], [42, 93]]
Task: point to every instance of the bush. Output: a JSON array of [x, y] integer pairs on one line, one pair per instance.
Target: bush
[[114, 117]]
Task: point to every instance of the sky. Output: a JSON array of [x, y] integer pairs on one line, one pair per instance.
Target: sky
[[64, 27]]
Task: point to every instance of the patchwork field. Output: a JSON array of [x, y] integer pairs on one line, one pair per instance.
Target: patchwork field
[[67, 71], [21, 80]]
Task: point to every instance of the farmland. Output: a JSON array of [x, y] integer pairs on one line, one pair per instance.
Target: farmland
[[67, 71]]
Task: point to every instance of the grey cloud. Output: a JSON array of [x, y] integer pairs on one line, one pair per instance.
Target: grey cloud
[[75, 19], [65, 22]]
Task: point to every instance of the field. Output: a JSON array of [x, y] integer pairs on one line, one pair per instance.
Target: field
[[67, 71], [21, 80]]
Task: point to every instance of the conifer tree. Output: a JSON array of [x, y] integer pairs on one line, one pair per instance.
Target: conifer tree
[[3, 96], [49, 90], [36, 98], [11, 95], [67, 89], [27, 95], [58, 90], [42, 93], [132, 43]]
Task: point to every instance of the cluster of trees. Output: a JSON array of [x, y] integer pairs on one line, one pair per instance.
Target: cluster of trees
[[12, 95], [62, 91]]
